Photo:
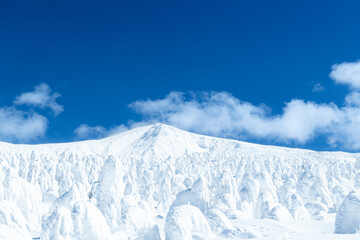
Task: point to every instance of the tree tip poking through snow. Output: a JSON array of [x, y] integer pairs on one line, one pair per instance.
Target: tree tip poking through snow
[[84, 221], [218, 221], [153, 234], [88, 222], [280, 213], [198, 195], [185, 221], [348, 216]]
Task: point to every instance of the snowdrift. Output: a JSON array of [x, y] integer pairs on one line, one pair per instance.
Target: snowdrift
[[158, 182]]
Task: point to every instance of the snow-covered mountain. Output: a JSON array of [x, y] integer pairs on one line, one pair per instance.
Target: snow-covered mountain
[[158, 182]]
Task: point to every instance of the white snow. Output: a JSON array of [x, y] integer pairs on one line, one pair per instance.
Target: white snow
[[158, 182], [348, 216], [186, 222]]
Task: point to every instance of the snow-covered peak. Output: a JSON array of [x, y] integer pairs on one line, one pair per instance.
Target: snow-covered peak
[[162, 139]]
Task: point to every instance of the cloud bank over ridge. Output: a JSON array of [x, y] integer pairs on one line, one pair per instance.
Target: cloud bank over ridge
[[221, 114], [211, 113]]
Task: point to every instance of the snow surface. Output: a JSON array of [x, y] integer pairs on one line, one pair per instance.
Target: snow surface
[[158, 182], [348, 216]]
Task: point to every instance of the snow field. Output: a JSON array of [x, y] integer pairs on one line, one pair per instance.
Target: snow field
[[159, 182]]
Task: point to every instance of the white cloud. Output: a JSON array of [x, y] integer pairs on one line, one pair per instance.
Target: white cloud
[[24, 126], [41, 97], [301, 121], [345, 133], [352, 99], [221, 114], [347, 73], [318, 88], [85, 131], [17, 125]]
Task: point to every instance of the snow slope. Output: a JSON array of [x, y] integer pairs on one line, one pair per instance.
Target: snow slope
[[158, 182]]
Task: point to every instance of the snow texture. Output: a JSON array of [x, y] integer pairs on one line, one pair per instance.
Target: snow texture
[[159, 182], [185, 222], [348, 217]]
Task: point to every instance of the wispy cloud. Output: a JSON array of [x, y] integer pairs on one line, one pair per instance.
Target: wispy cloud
[[318, 88], [41, 97], [85, 131], [18, 125]]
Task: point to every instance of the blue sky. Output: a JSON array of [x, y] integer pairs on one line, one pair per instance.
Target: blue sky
[[97, 58]]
